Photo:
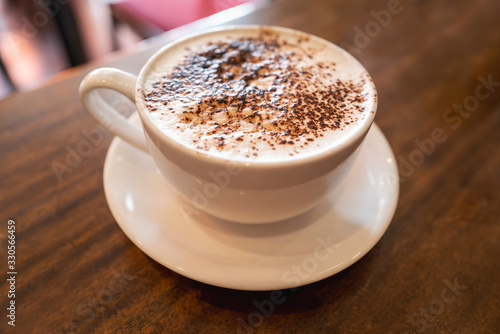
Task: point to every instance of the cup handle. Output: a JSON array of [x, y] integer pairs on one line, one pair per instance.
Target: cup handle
[[122, 82]]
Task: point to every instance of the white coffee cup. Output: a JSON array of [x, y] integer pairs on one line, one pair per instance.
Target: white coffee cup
[[241, 191]]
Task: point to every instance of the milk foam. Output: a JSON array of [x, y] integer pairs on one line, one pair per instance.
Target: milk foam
[[245, 131]]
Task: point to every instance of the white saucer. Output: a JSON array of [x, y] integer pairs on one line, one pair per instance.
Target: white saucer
[[302, 250]]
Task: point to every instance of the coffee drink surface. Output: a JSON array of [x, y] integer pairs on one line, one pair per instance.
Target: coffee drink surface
[[258, 95]]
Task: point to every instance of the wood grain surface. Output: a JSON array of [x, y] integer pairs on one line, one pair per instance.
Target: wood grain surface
[[436, 65]]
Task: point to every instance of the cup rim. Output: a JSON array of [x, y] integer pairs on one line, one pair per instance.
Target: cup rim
[[299, 161]]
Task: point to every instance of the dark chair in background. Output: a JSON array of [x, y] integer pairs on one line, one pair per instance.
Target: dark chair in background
[[69, 30]]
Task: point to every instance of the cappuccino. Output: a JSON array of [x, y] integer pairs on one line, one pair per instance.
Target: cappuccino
[[258, 95]]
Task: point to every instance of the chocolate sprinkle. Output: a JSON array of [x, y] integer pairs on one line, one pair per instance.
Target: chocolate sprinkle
[[250, 85]]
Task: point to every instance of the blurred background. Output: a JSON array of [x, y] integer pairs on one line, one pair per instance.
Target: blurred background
[[40, 38]]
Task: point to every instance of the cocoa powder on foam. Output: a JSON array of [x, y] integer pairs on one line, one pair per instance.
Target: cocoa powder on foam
[[272, 95]]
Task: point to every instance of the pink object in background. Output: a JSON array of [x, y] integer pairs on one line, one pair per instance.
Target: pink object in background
[[169, 14]]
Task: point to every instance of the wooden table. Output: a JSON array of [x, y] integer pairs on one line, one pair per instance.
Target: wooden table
[[436, 65]]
